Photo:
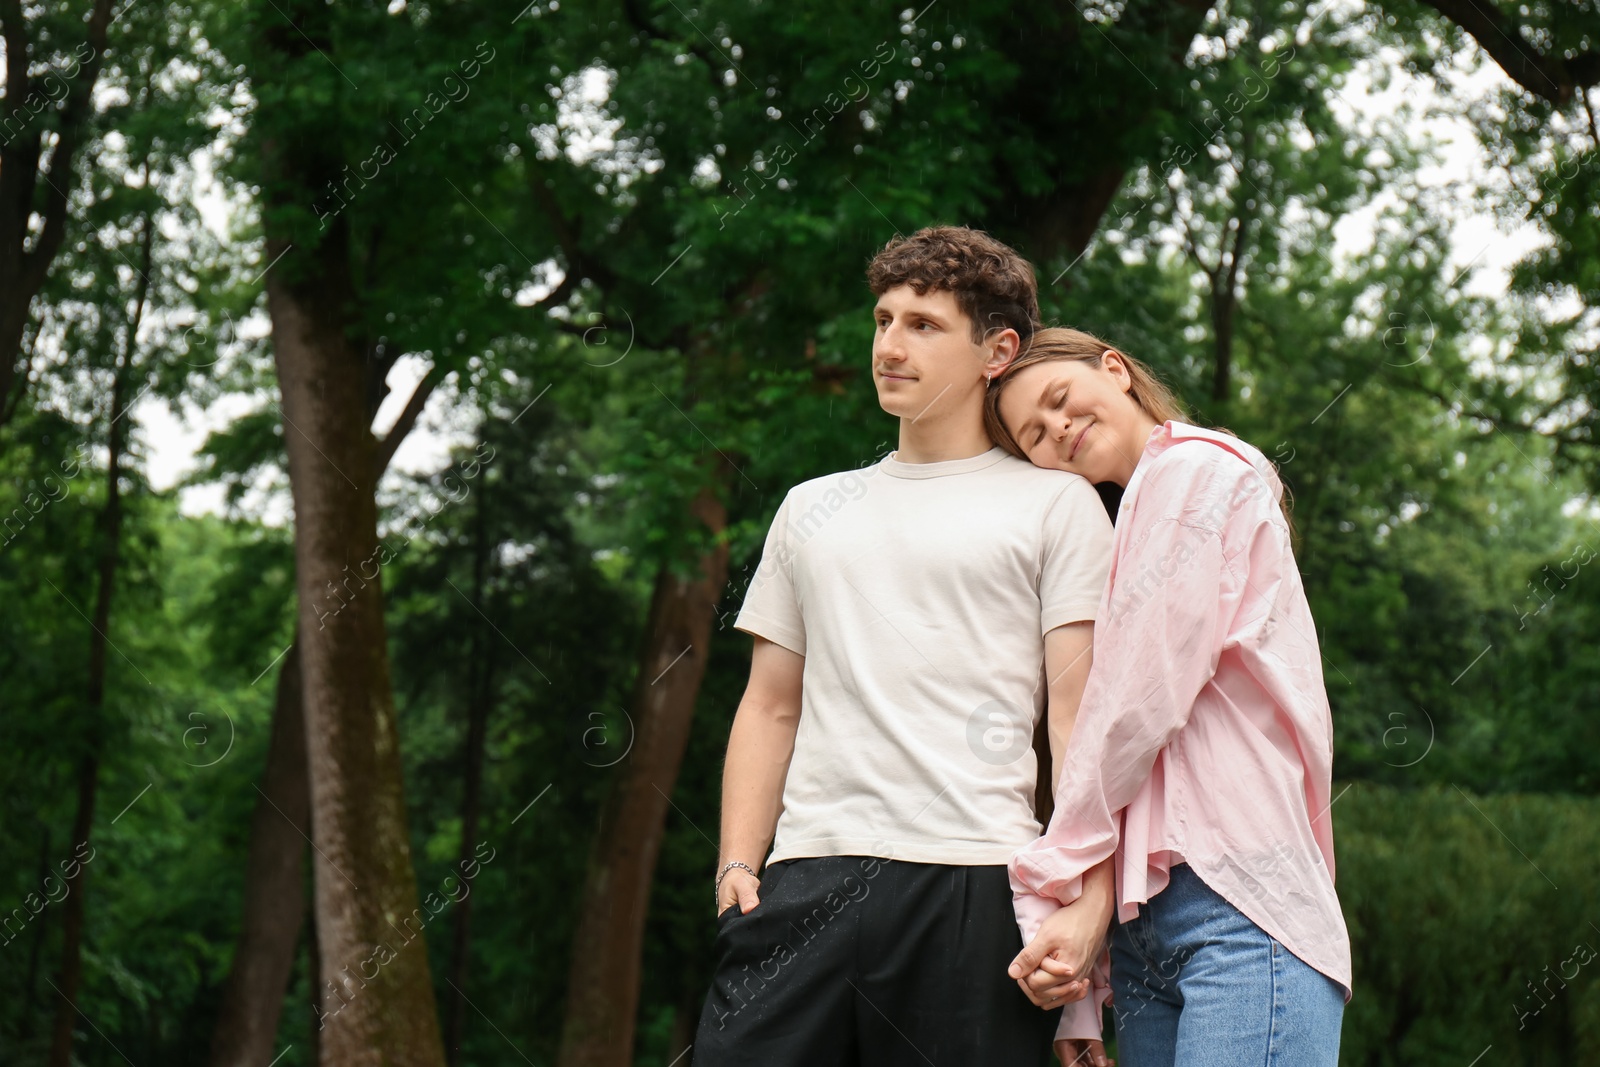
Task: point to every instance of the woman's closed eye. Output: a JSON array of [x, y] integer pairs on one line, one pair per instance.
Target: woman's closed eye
[[1055, 404]]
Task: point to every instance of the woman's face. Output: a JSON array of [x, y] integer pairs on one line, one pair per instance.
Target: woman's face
[[1068, 415]]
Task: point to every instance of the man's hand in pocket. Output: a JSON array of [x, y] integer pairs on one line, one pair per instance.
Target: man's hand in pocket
[[739, 887]]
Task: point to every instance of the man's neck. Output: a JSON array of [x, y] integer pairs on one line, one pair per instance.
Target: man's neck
[[929, 440]]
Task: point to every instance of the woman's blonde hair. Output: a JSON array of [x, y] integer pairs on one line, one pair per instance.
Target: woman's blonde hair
[[1058, 343]]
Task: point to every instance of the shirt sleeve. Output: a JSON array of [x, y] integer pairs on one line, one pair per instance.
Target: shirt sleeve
[[1075, 557], [771, 606], [1167, 619]]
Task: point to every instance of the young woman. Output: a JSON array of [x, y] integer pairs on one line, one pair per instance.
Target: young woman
[[1199, 768]]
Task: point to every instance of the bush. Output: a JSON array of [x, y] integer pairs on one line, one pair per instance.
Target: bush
[[1472, 922]]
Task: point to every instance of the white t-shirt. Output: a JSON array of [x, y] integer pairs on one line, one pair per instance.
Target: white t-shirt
[[919, 594]]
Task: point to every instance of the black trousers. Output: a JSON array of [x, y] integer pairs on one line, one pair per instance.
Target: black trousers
[[856, 961]]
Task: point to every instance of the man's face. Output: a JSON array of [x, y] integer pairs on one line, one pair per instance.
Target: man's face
[[923, 358]]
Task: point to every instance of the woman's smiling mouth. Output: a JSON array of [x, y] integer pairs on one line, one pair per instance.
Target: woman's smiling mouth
[[1077, 444]]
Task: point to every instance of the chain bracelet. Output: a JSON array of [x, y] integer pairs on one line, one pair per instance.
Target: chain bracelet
[[716, 888]]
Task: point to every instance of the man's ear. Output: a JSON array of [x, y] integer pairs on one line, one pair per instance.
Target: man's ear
[[1003, 349]]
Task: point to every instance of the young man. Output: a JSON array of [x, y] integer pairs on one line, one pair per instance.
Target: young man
[[912, 621]]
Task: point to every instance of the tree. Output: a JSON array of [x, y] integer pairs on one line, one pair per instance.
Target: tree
[[30, 111], [333, 352], [123, 375]]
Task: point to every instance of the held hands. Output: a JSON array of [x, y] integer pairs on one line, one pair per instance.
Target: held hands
[[1061, 970], [738, 886], [1054, 968]]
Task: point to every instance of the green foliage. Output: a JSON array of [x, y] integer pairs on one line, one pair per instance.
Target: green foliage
[[1470, 923], [658, 290]]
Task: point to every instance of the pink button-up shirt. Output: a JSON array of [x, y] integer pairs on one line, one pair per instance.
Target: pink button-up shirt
[[1204, 735]]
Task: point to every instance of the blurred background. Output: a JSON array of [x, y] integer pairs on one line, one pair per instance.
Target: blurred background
[[393, 399]]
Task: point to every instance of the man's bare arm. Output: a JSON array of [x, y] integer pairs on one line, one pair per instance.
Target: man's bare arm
[[1068, 654], [759, 748], [1052, 980]]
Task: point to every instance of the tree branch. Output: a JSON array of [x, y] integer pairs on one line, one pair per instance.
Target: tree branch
[[390, 441], [20, 387], [1065, 218], [1247, 206], [1189, 244], [1552, 77], [74, 124], [16, 37], [569, 238], [641, 23]]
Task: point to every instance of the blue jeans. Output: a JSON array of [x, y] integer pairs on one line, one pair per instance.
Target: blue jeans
[[1197, 984]]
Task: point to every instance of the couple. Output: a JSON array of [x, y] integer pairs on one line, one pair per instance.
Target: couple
[[914, 619]]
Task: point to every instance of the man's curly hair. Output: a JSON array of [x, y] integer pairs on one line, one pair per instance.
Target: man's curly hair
[[992, 284]]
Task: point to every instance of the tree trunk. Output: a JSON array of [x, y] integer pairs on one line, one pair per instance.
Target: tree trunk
[[1063, 219], [274, 889], [377, 995], [27, 250], [477, 731], [1225, 282], [24, 1034], [314, 977], [603, 987], [481, 664], [89, 764], [72, 908], [377, 1004], [35, 951], [1222, 305], [269, 931]]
